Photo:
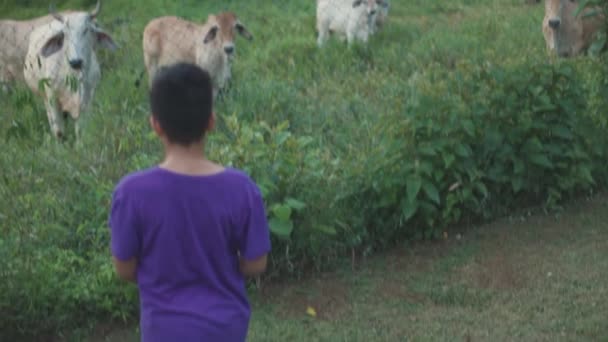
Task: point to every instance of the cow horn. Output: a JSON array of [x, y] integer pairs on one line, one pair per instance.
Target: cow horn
[[54, 13], [96, 10]]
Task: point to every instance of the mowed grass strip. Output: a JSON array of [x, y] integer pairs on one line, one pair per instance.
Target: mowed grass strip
[[524, 278]]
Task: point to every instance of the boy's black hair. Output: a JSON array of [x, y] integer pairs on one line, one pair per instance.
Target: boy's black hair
[[181, 100]]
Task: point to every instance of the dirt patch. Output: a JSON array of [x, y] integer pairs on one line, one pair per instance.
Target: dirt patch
[[395, 290], [328, 296], [495, 271], [516, 250], [418, 258]]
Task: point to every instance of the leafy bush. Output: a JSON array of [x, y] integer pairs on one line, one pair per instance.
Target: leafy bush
[[291, 172], [600, 8], [476, 143]]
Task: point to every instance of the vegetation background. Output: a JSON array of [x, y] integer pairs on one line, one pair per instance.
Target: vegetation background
[[453, 114]]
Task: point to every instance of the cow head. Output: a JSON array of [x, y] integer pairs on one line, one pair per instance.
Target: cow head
[[77, 36], [223, 31], [371, 6], [563, 30]]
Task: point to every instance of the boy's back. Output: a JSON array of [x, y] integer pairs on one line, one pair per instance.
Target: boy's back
[[186, 232]]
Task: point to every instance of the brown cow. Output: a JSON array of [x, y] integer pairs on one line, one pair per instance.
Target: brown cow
[[568, 35], [211, 46]]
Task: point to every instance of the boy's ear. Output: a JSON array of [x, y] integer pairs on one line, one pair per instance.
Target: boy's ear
[[211, 125], [156, 126]]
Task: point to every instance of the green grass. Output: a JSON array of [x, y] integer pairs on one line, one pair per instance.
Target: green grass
[[340, 104], [524, 278]]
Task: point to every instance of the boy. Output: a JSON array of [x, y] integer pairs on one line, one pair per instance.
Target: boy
[[188, 231]]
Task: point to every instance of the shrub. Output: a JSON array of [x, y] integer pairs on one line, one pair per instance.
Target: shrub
[[476, 143], [601, 39]]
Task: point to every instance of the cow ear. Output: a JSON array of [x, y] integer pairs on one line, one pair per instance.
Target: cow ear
[[243, 31], [211, 34], [52, 45], [105, 40], [357, 3]]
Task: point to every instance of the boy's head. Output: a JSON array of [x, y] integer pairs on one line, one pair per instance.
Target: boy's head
[[181, 100]]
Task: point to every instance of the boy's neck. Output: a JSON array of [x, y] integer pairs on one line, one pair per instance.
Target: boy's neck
[[188, 160]]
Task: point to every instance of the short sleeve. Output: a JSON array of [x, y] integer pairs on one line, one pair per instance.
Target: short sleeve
[[254, 240], [124, 237]]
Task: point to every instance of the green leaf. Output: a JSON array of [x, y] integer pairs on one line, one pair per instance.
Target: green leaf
[[409, 209], [517, 184], [413, 188], [295, 204], [533, 145], [482, 188], [282, 212], [586, 174], [546, 107], [581, 6], [562, 132], [42, 83], [448, 159], [598, 45], [425, 167], [541, 160], [431, 191], [280, 227], [463, 150], [326, 229], [427, 150], [282, 137], [469, 127], [518, 166]]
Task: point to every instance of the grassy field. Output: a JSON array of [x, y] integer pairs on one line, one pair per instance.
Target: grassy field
[[375, 144], [281, 75], [525, 278]]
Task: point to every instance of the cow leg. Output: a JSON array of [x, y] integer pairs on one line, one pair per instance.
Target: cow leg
[[4, 87], [55, 117], [350, 37], [364, 36], [77, 129], [323, 33]]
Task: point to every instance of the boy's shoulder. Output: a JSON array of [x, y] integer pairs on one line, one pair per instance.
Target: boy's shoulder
[[135, 180], [142, 179], [240, 177], [237, 174]]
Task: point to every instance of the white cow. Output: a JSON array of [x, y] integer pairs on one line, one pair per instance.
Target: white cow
[[61, 65], [350, 19], [568, 35], [14, 41], [169, 40]]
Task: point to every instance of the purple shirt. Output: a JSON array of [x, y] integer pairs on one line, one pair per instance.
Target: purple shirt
[[185, 232]]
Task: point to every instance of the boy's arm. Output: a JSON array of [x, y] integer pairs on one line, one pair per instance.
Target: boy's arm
[[124, 237], [126, 270], [252, 268], [254, 243]]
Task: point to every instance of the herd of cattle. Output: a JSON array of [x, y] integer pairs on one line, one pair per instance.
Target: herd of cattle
[[54, 55]]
